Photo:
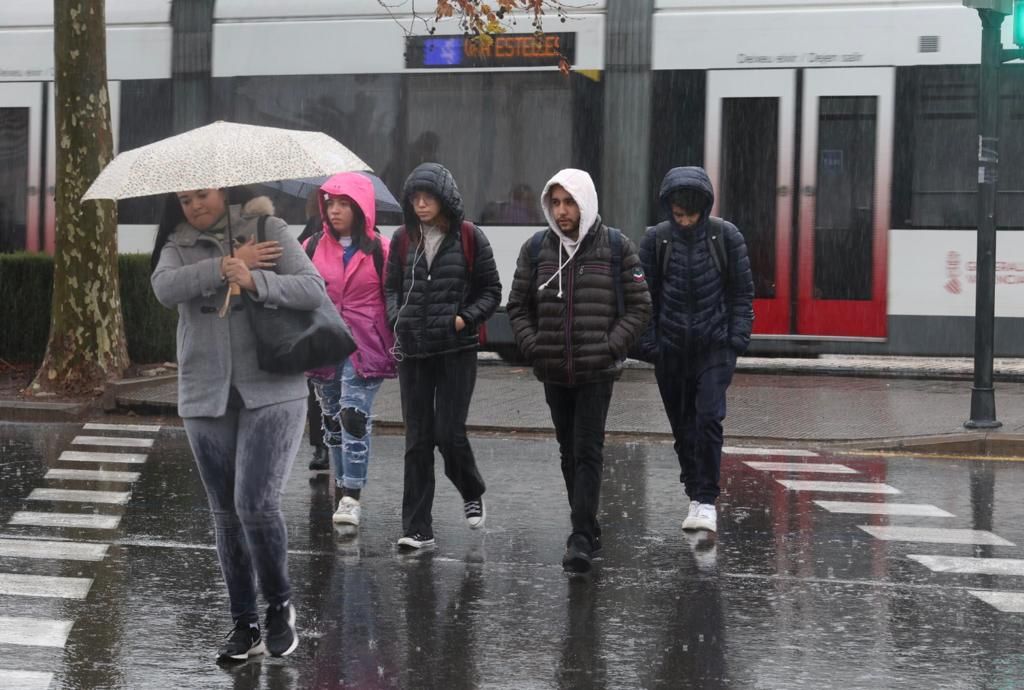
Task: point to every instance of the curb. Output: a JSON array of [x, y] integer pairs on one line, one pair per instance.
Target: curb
[[114, 391], [34, 411]]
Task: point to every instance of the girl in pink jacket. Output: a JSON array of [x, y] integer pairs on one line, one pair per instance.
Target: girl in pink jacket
[[351, 254]]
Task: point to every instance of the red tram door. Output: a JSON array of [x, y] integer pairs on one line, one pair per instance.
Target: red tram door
[[20, 129], [835, 231]]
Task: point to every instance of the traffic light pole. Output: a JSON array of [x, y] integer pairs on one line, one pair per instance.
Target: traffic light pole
[[983, 402]]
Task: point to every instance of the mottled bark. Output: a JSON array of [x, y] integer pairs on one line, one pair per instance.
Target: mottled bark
[[87, 343]]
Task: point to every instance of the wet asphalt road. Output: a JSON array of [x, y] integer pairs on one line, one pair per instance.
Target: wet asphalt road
[[791, 596]]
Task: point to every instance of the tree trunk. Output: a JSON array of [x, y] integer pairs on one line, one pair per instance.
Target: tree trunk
[[87, 343]]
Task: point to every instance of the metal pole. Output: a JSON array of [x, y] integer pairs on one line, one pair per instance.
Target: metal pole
[[983, 402]]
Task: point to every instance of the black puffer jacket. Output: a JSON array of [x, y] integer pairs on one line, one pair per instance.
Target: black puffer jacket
[[695, 314], [424, 302], [579, 337]]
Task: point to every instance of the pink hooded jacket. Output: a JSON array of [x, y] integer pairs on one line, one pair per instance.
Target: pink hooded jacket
[[356, 290]]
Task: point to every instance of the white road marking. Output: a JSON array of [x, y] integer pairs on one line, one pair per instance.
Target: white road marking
[[80, 496], [935, 535], [139, 428], [781, 452], [810, 467], [34, 632], [88, 456], [26, 680], [1007, 602], [119, 441], [838, 487], [14, 584], [93, 475], [869, 508], [82, 520], [971, 566], [56, 550]]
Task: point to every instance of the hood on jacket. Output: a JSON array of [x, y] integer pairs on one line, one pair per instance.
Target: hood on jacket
[[580, 185], [357, 187], [438, 180], [258, 206], [689, 177]]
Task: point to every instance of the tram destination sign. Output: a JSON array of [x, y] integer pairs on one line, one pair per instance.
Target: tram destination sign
[[504, 50]]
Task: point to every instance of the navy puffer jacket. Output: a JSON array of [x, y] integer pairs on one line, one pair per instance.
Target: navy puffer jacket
[[695, 315], [423, 301]]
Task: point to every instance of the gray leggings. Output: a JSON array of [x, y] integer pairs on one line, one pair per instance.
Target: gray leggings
[[244, 459]]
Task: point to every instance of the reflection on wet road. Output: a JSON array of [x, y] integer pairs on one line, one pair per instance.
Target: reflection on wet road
[[828, 572]]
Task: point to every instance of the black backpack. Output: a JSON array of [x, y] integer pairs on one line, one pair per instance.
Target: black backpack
[[378, 251], [715, 237], [614, 239]]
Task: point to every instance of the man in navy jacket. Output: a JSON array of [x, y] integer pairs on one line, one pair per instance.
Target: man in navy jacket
[[703, 291]]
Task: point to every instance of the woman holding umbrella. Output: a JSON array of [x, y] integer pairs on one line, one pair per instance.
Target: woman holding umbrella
[[244, 425], [350, 254]]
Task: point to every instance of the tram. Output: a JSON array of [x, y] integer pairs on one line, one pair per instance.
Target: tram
[[841, 135]]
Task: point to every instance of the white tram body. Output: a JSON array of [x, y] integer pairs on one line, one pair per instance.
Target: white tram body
[[840, 135]]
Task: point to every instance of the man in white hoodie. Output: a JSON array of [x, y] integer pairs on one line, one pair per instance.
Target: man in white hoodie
[[578, 303]]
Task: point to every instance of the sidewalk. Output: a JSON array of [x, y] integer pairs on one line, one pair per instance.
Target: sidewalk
[[803, 407]]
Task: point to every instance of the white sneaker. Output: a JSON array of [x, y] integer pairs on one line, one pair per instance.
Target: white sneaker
[[348, 512], [706, 518], [691, 513]]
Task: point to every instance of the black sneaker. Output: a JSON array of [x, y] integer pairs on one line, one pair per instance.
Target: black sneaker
[[475, 513], [320, 461], [415, 541], [577, 555], [281, 636], [242, 642]]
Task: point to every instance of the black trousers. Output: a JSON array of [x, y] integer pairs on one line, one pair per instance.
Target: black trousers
[[579, 414], [693, 392], [436, 392]]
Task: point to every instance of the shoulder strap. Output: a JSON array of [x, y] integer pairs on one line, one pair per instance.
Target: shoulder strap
[[378, 256], [403, 247], [468, 235], [535, 243], [615, 241], [314, 240], [261, 229], [716, 242], [662, 251]]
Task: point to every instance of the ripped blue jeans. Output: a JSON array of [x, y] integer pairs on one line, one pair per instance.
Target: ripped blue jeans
[[345, 403]]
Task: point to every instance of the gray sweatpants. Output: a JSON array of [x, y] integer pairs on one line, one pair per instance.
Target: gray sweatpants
[[244, 459]]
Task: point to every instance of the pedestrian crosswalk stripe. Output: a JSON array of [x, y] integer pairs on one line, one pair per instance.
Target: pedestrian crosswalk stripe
[[782, 452], [34, 632], [139, 428], [809, 467], [935, 535], [16, 584], [55, 550], [80, 496], [93, 475], [971, 566], [838, 487], [26, 680], [874, 508], [1007, 602], [120, 441], [82, 520], [89, 456]]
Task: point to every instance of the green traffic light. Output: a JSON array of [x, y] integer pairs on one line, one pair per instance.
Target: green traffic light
[[1018, 23]]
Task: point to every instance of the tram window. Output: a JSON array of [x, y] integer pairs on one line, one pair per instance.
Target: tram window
[[501, 134], [13, 177], [935, 184], [146, 116], [677, 127]]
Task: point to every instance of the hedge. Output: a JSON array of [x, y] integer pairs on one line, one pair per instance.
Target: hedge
[[26, 292]]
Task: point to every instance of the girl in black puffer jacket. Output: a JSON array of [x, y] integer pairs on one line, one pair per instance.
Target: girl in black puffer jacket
[[441, 286]]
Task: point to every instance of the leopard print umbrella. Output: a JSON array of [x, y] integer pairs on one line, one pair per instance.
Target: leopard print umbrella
[[224, 154]]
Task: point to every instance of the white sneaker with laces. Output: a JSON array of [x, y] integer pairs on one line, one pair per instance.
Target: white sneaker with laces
[[691, 513], [705, 519], [348, 512]]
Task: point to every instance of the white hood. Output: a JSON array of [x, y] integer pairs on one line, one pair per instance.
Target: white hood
[[579, 184]]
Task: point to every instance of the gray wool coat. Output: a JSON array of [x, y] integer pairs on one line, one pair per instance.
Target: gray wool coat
[[217, 353]]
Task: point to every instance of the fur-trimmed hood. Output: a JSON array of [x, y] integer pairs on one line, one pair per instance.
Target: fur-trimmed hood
[[258, 206]]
